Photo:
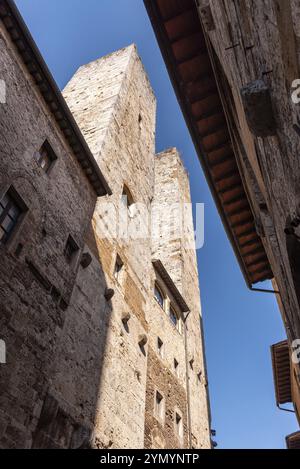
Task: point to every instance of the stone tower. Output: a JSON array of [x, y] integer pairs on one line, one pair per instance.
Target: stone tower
[[100, 319], [153, 388]]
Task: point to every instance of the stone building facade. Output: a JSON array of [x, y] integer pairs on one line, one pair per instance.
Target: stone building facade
[[103, 332], [235, 68]]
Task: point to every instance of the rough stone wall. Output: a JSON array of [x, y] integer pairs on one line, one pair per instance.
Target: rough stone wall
[[162, 377], [162, 434], [122, 140], [126, 155], [59, 203], [177, 252], [261, 41], [79, 377]]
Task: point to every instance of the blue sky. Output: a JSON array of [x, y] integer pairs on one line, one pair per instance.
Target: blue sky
[[239, 325]]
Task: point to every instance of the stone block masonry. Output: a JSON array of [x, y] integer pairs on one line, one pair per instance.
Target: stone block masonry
[[85, 368]]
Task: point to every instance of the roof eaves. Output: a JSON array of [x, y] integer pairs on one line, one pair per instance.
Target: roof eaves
[[51, 94]]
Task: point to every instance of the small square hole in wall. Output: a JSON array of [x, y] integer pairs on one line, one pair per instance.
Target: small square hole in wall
[[71, 249], [160, 347], [119, 269], [179, 426], [46, 157], [142, 344], [159, 406], [176, 367]]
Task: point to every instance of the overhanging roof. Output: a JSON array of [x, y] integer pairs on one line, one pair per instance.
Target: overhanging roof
[[282, 372], [51, 94], [183, 45], [162, 272], [293, 441]]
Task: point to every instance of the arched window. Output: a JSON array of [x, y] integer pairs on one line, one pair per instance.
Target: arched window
[[158, 295]]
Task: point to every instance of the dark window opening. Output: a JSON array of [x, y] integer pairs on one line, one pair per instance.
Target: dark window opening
[[46, 157], [11, 209], [71, 249]]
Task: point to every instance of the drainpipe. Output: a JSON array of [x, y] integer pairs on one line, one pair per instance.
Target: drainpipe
[[261, 290], [286, 410], [187, 381]]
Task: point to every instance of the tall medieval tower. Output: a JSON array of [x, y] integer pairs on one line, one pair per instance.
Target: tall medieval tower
[[99, 298], [152, 386]]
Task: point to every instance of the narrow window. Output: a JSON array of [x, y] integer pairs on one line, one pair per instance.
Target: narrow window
[[119, 267], [71, 249], [11, 209], [179, 426], [192, 364], [176, 367], [159, 296], [173, 317], [46, 157], [160, 347], [159, 406]]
